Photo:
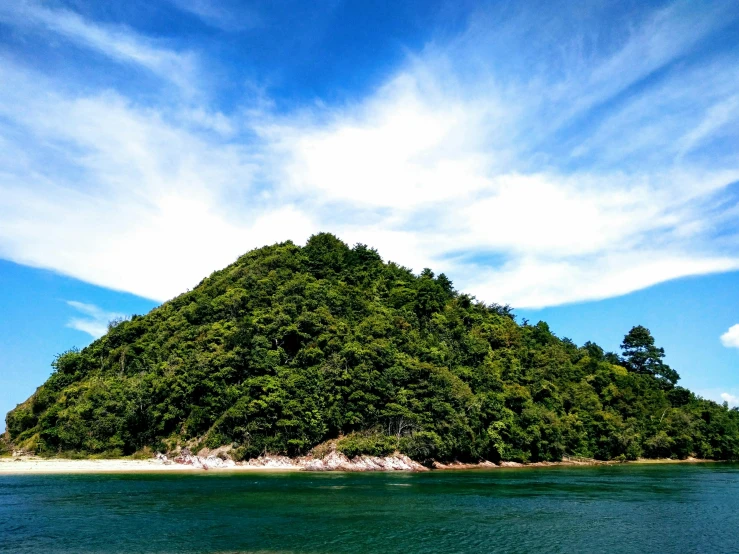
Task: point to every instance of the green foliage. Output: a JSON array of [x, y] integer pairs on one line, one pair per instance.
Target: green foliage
[[370, 443], [143, 454], [642, 356], [290, 347]]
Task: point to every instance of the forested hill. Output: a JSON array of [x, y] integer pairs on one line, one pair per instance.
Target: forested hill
[[289, 347]]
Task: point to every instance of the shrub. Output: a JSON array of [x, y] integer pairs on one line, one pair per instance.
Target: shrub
[[421, 446], [144, 454], [371, 444]]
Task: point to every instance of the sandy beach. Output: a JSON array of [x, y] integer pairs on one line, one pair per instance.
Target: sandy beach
[[28, 466]]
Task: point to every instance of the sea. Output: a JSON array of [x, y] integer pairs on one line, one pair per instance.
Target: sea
[[679, 508]]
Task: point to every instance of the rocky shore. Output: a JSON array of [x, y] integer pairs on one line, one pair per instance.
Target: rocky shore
[[333, 461], [336, 461], [219, 460]]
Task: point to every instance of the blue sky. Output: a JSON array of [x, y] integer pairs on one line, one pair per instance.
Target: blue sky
[[576, 161]]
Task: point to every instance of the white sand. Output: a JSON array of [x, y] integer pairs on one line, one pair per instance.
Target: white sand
[[30, 466]]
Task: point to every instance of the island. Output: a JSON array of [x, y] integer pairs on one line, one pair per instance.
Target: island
[[327, 357]]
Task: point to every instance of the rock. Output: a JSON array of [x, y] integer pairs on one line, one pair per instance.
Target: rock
[[336, 461], [186, 458], [274, 462], [217, 461], [313, 465], [162, 459], [333, 461], [459, 465]]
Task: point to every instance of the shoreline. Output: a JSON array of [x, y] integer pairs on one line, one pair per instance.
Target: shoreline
[[53, 466], [62, 466]]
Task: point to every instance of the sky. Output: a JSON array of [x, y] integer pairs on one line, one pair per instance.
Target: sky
[[574, 160]]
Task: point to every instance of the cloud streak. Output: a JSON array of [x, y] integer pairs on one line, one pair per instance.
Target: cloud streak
[[572, 179], [221, 14], [95, 320], [117, 42]]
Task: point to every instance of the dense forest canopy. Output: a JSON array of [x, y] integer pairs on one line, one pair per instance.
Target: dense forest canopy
[[291, 346]]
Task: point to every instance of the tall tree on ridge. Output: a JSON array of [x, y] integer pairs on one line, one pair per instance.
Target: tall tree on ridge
[[640, 355]]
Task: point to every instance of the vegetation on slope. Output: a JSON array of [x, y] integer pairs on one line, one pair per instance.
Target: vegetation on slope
[[289, 347]]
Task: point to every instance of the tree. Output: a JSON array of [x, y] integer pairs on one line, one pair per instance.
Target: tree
[[594, 351], [640, 355]]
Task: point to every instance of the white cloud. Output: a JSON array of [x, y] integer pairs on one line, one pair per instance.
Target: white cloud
[[148, 211], [730, 339], [95, 322], [718, 395], [397, 150], [411, 154], [730, 398], [451, 163]]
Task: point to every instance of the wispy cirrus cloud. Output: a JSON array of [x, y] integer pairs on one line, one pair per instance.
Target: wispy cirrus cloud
[[129, 191], [598, 167], [94, 320], [117, 42], [222, 14]]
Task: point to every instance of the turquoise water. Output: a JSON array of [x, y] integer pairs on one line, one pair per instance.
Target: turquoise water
[[616, 509]]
